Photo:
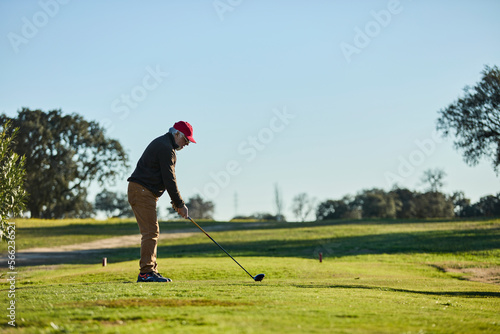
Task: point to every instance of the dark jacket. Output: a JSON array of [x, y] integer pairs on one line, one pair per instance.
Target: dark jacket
[[155, 169]]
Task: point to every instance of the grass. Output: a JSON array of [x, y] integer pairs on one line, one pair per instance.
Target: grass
[[49, 233], [376, 277]]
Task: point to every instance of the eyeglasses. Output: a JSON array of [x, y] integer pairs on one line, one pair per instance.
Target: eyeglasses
[[184, 136]]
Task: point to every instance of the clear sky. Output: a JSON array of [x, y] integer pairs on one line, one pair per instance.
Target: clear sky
[[322, 97]]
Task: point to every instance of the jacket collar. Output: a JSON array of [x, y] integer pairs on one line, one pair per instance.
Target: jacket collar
[[172, 140]]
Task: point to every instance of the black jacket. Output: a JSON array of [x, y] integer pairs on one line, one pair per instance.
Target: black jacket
[[155, 169]]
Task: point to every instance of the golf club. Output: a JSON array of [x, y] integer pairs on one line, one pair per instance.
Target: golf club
[[256, 278]]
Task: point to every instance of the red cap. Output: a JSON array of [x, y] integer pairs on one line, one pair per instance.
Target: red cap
[[186, 129]]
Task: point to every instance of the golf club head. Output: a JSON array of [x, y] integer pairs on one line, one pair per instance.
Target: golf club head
[[259, 277]]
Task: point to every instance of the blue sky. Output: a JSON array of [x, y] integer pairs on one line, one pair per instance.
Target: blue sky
[[322, 97]]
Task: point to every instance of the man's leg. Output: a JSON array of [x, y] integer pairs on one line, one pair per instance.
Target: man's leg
[[143, 203]]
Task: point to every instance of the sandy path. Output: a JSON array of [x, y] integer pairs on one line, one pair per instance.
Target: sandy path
[[66, 253]]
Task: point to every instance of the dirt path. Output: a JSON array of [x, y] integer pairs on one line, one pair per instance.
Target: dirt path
[[67, 253]]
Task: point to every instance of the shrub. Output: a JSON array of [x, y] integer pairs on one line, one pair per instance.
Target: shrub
[[12, 194]]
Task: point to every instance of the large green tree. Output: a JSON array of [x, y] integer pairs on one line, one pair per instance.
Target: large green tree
[[475, 119], [64, 154], [12, 173]]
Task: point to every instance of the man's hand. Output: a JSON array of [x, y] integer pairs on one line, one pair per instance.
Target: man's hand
[[182, 211]]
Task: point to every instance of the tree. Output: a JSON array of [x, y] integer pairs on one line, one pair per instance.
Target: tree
[[405, 203], [12, 172], [475, 120], [259, 216], [376, 203], [461, 204], [302, 205], [64, 154], [330, 209], [278, 202], [471, 211], [113, 204], [488, 206], [338, 209], [434, 179], [434, 205], [200, 209]]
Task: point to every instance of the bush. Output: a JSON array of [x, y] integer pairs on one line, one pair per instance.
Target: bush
[[12, 194]]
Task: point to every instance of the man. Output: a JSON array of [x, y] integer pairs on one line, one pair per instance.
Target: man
[[155, 173]]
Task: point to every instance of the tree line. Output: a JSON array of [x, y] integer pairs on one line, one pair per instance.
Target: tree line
[[397, 203], [402, 203]]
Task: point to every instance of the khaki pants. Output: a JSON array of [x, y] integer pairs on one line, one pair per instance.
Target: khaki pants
[[143, 203]]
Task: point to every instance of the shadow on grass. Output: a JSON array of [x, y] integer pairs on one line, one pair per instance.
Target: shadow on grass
[[466, 294], [93, 256], [118, 229], [390, 243], [447, 241]]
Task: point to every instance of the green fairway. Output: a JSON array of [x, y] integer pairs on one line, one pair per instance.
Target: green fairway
[[376, 277]]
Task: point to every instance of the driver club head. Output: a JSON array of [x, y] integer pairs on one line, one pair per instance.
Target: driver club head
[[259, 277]]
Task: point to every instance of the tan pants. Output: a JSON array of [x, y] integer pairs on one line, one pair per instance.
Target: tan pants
[[143, 203]]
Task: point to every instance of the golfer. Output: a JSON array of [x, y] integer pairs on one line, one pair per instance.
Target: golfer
[[155, 173]]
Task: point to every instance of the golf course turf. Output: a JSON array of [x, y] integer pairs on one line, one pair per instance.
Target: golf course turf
[[377, 276]]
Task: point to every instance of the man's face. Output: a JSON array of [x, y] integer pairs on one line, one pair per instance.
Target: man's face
[[181, 140]]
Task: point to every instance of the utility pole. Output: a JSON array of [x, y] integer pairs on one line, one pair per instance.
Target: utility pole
[[235, 204]]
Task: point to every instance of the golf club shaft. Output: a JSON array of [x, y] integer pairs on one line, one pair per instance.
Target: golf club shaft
[[215, 242]]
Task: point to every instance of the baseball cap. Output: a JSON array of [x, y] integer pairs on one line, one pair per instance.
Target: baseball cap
[[186, 129]]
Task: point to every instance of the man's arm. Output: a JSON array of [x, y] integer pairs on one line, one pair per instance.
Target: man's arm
[[167, 163]]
